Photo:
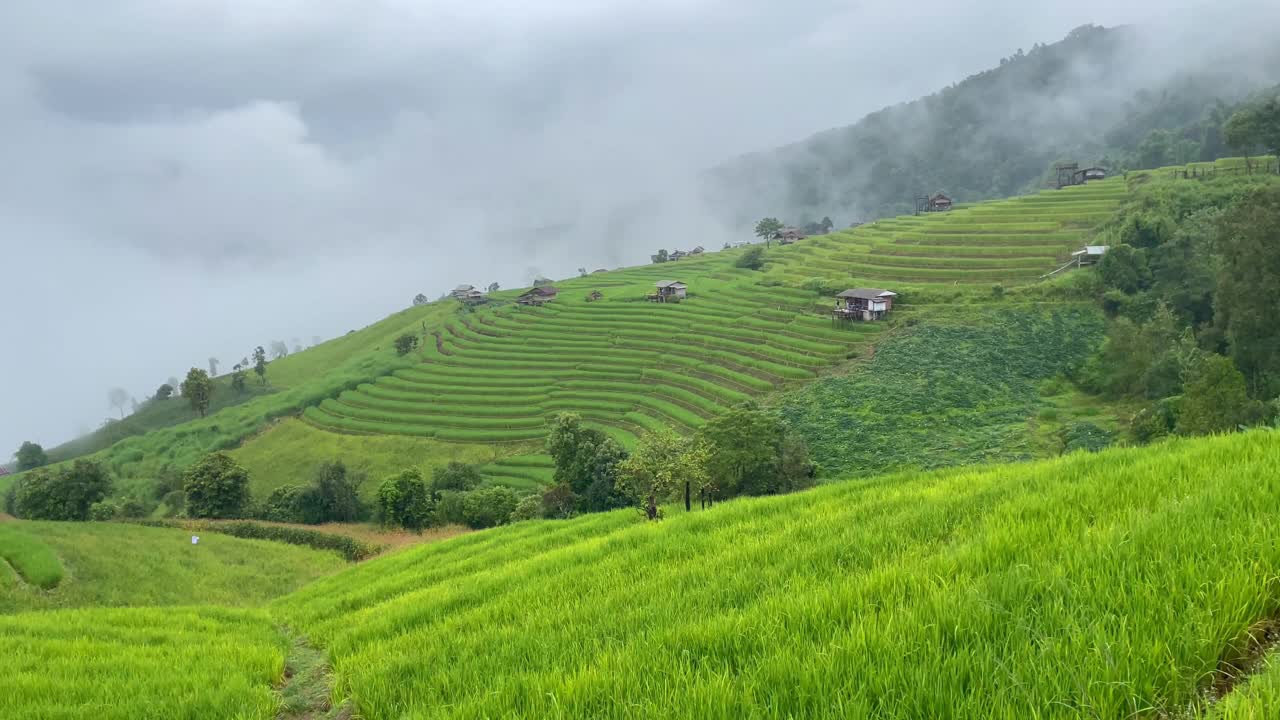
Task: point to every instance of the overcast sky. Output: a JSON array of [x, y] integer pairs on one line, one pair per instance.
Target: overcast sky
[[186, 178]]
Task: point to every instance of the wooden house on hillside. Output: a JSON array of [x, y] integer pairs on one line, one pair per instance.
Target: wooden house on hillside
[[539, 295], [669, 291], [863, 304], [1070, 174], [461, 291], [676, 255], [938, 202], [697, 251], [788, 235]]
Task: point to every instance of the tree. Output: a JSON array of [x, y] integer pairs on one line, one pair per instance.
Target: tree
[[1247, 295], [420, 299], [260, 364], [582, 272], [586, 462], [489, 507], [334, 496], [279, 349], [493, 287], [216, 487], [164, 392], [31, 456], [662, 462], [752, 258], [213, 367], [1255, 126], [404, 501], [826, 224], [198, 390], [1124, 267], [67, 493], [661, 257], [1214, 399], [767, 228], [406, 343], [118, 397], [752, 452], [455, 476], [281, 504], [238, 379]]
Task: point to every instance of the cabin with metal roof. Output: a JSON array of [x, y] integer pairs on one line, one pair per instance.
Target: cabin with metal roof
[[788, 235], [669, 291], [865, 304], [1090, 254]]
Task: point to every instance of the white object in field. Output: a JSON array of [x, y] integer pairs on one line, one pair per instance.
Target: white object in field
[[195, 539]]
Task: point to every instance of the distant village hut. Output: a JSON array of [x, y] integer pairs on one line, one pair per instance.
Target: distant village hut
[[938, 202], [537, 296], [697, 251], [865, 304], [461, 291], [669, 291], [788, 235], [1090, 255], [1093, 173], [676, 254], [594, 295]]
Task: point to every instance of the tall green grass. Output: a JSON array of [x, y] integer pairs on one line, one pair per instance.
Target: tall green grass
[[129, 664], [34, 561], [1103, 585]]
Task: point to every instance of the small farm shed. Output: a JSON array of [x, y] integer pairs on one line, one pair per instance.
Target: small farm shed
[[863, 304], [697, 251], [1093, 173], [676, 254], [669, 291], [1090, 254], [788, 235], [474, 297], [539, 295], [939, 203], [462, 291]]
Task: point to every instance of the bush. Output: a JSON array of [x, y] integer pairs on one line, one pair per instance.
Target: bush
[[751, 259], [216, 487], [449, 508], [104, 511], [67, 493], [281, 505], [558, 501], [529, 508], [455, 476], [406, 343], [173, 502], [135, 508], [997, 291], [1084, 436], [489, 507], [333, 497], [1153, 422], [404, 501]]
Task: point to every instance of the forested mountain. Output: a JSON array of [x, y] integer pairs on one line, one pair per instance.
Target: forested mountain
[[1101, 95]]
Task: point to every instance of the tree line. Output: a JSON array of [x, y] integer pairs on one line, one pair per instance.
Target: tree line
[[1192, 281]]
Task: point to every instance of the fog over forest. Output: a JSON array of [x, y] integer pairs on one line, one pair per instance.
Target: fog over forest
[[186, 180]]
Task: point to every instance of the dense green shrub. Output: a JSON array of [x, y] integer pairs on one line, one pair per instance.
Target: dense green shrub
[[65, 493], [455, 476], [104, 511], [1084, 436], [333, 497], [449, 508], [1154, 421], [216, 487], [751, 259], [529, 508], [489, 506], [404, 501], [281, 505]]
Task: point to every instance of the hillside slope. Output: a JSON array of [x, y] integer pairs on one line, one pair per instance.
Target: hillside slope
[[1109, 585], [1101, 95]]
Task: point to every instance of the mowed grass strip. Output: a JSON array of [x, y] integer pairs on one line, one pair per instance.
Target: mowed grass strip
[[126, 664], [1106, 585]]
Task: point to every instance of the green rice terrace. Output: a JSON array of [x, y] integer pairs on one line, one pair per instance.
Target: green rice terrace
[[499, 373], [1132, 583]]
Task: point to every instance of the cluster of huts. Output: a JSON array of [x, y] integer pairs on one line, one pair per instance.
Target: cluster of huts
[[468, 295], [675, 255]]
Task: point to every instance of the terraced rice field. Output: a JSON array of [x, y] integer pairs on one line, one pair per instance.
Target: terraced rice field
[[1008, 241], [498, 374]]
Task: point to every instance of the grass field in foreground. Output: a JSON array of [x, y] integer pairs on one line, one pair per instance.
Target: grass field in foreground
[[140, 664], [109, 564], [1104, 585]]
